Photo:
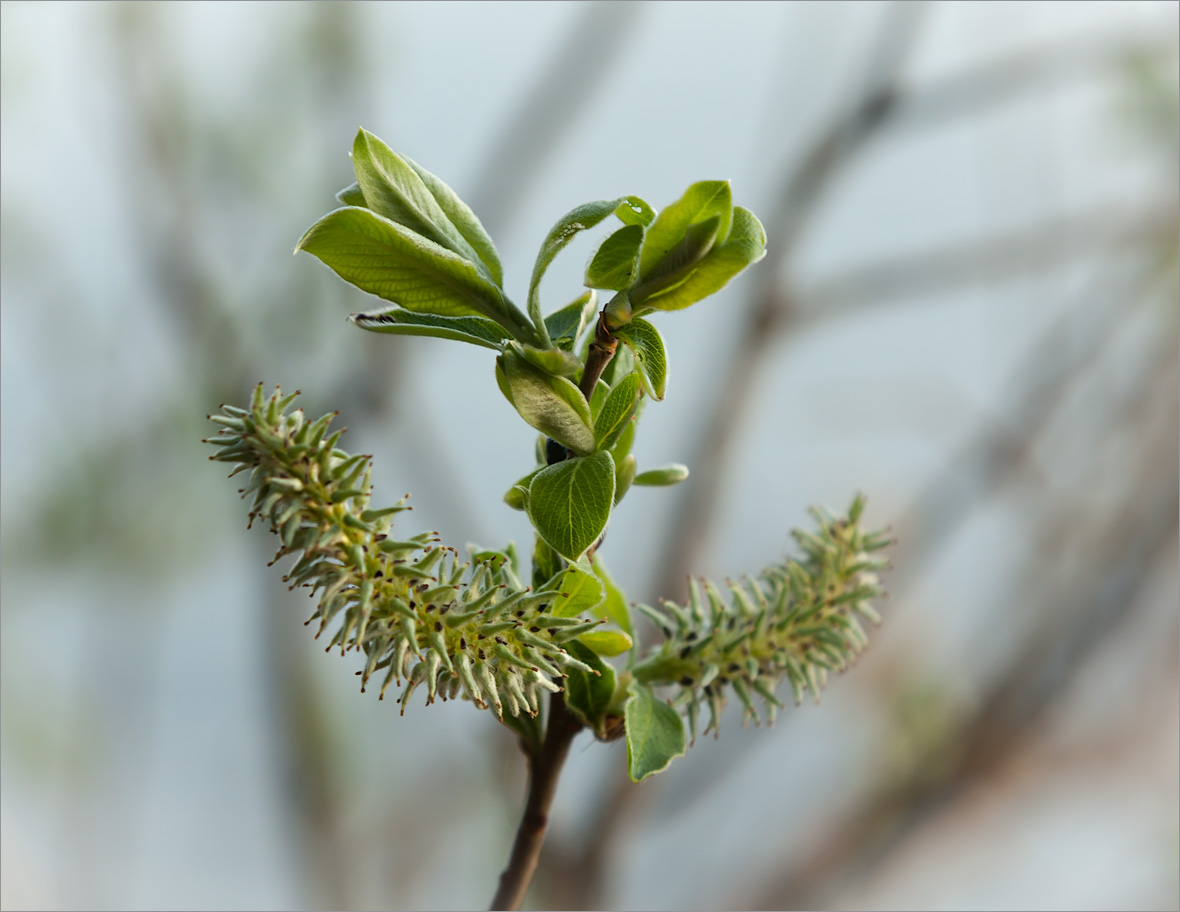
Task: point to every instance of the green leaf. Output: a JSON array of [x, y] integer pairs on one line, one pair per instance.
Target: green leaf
[[570, 502], [701, 202], [607, 642], [553, 405], [613, 264], [615, 604], [464, 220], [622, 448], [624, 476], [580, 592], [517, 496], [394, 263], [393, 189], [677, 265], [579, 219], [598, 398], [552, 360], [616, 411], [588, 695], [662, 477], [565, 326], [647, 344], [655, 733], [547, 563], [352, 196], [745, 246], [476, 330], [635, 211]]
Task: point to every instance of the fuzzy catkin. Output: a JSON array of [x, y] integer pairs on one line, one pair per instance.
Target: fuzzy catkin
[[798, 620], [409, 605]]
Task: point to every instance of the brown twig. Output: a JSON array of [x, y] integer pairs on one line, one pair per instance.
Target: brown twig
[[602, 349], [544, 771]]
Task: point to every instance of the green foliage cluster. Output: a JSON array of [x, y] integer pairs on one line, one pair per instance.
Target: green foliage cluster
[[580, 376]]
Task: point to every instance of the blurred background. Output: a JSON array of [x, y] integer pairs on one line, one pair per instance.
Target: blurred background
[[968, 311]]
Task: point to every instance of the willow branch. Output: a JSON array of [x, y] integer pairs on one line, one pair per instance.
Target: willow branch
[[544, 771]]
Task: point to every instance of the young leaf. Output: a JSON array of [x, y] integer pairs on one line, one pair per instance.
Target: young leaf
[[394, 263], [662, 477], [678, 263], [588, 695], [635, 211], [393, 189], [647, 344], [565, 326], [615, 605], [551, 404], [613, 264], [570, 502], [464, 220], [580, 592], [745, 246], [616, 412], [655, 733], [476, 330], [585, 216], [547, 563], [701, 202], [517, 496], [552, 360], [624, 475], [352, 196], [598, 399], [607, 642]]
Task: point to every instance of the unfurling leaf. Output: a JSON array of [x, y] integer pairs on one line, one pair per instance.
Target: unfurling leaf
[[663, 476], [551, 404], [613, 264], [702, 201], [624, 475], [745, 246], [565, 326], [567, 228], [617, 409], [647, 345]]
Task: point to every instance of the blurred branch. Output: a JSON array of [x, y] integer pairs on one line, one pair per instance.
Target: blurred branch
[[567, 82], [1026, 250], [802, 188], [777, 301], [1079, 617]]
